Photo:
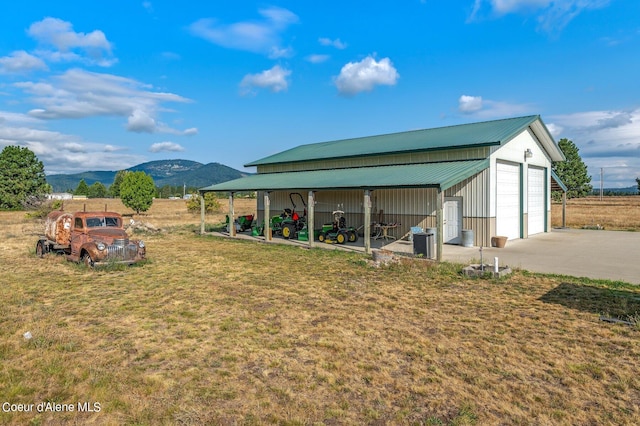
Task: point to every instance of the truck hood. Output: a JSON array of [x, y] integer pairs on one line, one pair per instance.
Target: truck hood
[[108, 234]]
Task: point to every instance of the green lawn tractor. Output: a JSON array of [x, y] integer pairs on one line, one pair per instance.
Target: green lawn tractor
[[289, 222], [337, 231], [242, 223]]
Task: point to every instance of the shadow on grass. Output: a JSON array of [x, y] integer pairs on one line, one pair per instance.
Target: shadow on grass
[[613, 303]]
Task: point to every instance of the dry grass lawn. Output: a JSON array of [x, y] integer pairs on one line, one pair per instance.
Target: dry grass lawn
[[218, 331], [613, 213]]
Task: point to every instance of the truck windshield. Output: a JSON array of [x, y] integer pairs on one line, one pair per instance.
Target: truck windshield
[[97, 222]]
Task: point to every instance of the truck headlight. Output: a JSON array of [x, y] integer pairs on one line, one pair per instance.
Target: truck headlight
[[101, 246], [141, 244]]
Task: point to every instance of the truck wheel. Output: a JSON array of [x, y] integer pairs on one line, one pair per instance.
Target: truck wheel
[[40, 251], [87, 260]]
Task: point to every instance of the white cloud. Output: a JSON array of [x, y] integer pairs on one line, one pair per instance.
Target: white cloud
[[62, 153], [607, 139], [90, 47], [274, 79], [486, 108], [602, 133], [317, 59], [140, 122], [73, 147], [363, 76], [551, 15], [469, 104], [555, 130], [13, 118], [263, 36], [111, 148], [10, 135], [166, 147], [21, 61], [277, 52], [79, 94], [509, 6], [335, 43]]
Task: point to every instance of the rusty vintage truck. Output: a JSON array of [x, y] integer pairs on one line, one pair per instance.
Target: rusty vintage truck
[[90, 237]]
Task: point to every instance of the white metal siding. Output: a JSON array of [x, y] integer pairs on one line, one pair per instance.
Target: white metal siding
[[508, 200], [535, 200]]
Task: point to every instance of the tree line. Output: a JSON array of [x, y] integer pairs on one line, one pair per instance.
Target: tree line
[[23, 185], [136, 190], [99, 190]]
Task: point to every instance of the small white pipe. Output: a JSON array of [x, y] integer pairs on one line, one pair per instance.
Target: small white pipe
[[495, 265]]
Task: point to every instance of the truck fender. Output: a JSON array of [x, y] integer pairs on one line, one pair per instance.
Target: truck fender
[[92, 249]]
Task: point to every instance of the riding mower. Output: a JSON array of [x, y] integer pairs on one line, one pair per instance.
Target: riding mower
[[337, 232], [242, 223], [289, 222]]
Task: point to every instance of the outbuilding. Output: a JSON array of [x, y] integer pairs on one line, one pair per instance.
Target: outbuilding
[[491, 178]]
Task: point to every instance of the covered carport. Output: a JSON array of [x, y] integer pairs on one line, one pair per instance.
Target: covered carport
[[437, 177]]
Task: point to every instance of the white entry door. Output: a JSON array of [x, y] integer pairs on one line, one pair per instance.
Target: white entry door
[[452, 220]]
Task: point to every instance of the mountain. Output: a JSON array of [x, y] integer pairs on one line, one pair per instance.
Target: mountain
[[631, 190], [163, 172]]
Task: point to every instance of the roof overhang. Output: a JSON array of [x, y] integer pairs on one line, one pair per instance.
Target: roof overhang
[[425, 175], [556, 183], [545, 138]]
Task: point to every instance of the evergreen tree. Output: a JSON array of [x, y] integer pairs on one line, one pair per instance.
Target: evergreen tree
[[638, 182], [114, 189], [21, 176], [82, 188], [573, 171], [137, 191], [97, 190]]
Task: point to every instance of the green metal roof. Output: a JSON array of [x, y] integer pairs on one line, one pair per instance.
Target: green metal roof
[[486, 133], [435, 175]]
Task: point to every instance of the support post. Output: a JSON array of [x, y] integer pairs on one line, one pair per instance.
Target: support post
[[267, 216], [232, 217], [367, 221], [202, 213], [311, 202], [564, 209], [439, 224]]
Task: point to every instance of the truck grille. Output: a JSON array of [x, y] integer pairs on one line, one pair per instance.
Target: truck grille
[[122, 252], [121, 242]]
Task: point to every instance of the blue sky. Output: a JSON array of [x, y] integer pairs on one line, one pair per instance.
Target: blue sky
[[107, 85]]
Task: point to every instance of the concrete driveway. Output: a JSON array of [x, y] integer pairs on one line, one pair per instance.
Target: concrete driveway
[[612, 255]]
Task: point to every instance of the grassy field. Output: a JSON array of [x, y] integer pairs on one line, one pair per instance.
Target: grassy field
[[613, 213], [218, 331]]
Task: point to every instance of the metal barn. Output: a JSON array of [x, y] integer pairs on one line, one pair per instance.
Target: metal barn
[[493, 178]]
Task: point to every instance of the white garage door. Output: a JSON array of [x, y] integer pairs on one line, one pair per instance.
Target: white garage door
[[508, 200], [535, 200]]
